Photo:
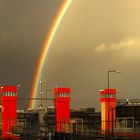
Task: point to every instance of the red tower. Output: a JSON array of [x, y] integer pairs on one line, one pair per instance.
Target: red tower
[[62, 109], [108, 112], [9, 100]]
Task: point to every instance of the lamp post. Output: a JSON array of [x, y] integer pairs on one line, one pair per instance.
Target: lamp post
[[108, 75], [108, 86]]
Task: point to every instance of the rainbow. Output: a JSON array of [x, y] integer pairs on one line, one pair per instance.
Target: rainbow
[[57, 20]]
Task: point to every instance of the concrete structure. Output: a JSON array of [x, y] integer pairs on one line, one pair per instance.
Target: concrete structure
[[108, 112], [9, 101], [83, 120], [41, 112], [128, 114], [62, 109]]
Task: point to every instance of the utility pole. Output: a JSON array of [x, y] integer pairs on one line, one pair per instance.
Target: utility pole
[[41, 93], [108, 86]]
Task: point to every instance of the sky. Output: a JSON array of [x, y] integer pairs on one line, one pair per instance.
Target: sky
[[23, 28], [94, 36]]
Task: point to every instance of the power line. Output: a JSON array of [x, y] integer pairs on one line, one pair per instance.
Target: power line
[[35, 98]]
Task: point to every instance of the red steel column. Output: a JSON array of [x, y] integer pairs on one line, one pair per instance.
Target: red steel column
[[108, 111], [62, 109], [9, 100]]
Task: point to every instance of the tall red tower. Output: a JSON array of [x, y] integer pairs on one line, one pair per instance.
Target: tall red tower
[[62, 109], [108, 112], [9, 100]]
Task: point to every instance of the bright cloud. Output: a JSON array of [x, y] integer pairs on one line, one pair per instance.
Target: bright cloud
[[128, 48], [131, 43]]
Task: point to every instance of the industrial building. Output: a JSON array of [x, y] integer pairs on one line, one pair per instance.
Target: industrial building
[[82, 120], [118, 119], [128, 115]]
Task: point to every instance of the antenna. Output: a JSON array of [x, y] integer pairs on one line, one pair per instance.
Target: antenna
[[41, 93]]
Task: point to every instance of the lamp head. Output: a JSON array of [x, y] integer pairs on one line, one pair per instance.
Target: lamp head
[[117, 71]]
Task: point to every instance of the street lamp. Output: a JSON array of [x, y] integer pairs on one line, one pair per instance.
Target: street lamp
[[108, 75], [108, 85]]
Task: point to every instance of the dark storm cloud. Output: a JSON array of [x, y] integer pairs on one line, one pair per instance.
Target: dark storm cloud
[[23, 28]]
